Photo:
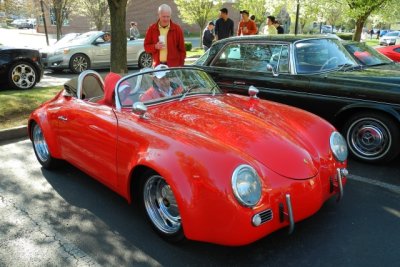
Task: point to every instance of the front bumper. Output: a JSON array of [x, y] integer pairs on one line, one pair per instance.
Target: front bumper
[[284, 203]]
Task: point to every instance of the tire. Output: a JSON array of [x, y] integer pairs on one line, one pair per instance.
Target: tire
[[372, 137], [79, 63], [22, 75], [159, 204], [41, 149], [145, 60]]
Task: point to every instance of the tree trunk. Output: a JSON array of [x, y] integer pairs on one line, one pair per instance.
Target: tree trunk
[[118, 36]]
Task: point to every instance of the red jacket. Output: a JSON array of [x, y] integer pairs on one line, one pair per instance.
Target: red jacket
[[175, 45]]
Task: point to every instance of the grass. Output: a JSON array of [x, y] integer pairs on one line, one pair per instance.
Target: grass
[[372, 42], [16, 105], [195, 52]]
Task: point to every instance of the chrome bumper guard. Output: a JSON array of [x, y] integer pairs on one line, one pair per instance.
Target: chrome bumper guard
[[287, 215], [340, 174]]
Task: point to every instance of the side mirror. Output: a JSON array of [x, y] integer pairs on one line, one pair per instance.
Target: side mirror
[[271, 69], [139, 109], [253, 91]]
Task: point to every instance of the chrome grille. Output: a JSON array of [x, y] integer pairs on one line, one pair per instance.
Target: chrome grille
[[265, 215]]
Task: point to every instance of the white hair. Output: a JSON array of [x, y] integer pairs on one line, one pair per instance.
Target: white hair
[[164, 7]]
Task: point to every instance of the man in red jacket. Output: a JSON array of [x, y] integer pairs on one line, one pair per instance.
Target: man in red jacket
[[164, 40]]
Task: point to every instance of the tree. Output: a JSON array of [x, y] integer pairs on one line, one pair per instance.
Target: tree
[[198, 12], [60, 9], [96, 11], [118, 41], [360, 10]]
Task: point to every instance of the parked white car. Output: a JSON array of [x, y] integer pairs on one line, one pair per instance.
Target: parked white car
[[90, 51], [391, 38]]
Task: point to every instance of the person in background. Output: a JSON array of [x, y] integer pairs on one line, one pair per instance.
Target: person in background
[[164, 40], [279, 28], [107, 37], [270, 29], [224, 25], [133, 31], [208, 36], [246, 25], [253, 18]]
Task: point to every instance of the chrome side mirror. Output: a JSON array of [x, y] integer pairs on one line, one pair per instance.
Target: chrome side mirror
[[139, 109], [253, 91], [271, 69]]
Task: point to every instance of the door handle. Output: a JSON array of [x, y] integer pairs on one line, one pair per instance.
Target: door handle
[[62, 118]]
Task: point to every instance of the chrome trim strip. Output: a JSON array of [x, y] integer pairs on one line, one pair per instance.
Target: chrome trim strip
[[81, 78], [290, 214]]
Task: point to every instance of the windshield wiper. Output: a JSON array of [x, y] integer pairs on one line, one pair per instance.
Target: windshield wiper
[[347, 67]]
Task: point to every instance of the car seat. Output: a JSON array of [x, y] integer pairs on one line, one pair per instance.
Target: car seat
[[110, 81]]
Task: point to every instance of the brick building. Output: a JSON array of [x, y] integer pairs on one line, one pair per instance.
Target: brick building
[[144, 12]]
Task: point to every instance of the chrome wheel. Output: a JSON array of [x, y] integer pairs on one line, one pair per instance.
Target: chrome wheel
[[145, 60], [372, 136], [23, 76], [40, 145], [160, 205], [79, 63]]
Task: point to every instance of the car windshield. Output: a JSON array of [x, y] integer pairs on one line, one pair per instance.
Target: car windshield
[[318, 55], [392, 34], [151, 86], [66, 39], [84, 38], [366, 55]]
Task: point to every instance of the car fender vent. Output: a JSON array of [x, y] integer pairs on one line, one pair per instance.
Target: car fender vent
[[262, 217]]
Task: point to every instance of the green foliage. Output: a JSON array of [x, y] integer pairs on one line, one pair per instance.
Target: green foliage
[[188, 46], [345, 36], [255, 7]]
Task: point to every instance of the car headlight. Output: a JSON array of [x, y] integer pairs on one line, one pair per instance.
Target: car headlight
[[339, 146], [246, 185]]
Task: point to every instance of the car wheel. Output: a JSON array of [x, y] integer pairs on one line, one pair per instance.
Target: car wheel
[[145, 60], [41, 149], [372, 137], [79, 63], [22, 75], [160, 207]]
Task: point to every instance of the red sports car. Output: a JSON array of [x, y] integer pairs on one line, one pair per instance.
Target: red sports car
[[392, 52], [204, 165]]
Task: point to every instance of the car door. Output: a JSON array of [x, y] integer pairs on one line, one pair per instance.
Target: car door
[[266, 66], [87, 134], [102, 54]]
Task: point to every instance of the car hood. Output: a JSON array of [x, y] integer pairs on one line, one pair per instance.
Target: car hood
[[259, 131], [388, 73]]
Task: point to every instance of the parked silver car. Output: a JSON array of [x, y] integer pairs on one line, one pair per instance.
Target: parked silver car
[[391, 38], [91, 51]]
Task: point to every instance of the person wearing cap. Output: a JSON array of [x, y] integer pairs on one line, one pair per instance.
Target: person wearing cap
[[208, 36], [270, 29], [162, 86], [246, 25], [164, 40], [224, 26]]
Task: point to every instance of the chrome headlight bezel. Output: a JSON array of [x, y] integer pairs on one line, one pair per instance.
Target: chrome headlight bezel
[[338, 146], [246, 185]]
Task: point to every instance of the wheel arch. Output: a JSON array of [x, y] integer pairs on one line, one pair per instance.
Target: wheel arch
[[48, 133], [346, 112], [79, 53]]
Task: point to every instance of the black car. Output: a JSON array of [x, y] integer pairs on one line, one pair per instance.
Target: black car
[[316, 73], [20, 68]]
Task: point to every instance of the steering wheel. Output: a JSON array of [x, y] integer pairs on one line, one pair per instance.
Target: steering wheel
[[328, 62]]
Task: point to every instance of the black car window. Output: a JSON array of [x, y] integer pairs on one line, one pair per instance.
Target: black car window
[[366, 55], [318, 55], [253, 57]]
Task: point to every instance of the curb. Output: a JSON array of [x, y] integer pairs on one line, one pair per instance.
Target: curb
[[13, 133]]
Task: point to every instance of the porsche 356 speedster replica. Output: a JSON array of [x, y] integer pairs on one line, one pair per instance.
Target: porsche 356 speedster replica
[[204, 165]]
